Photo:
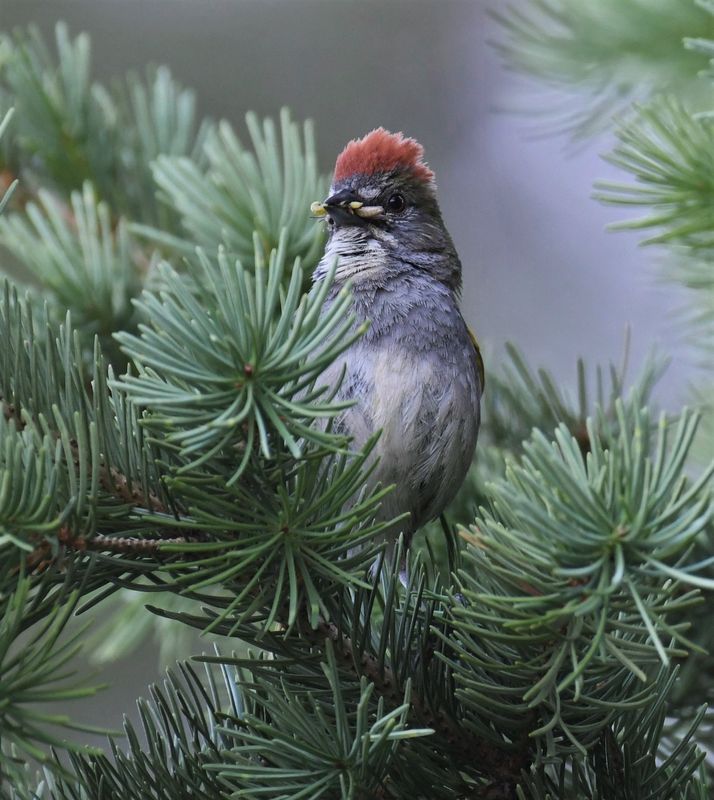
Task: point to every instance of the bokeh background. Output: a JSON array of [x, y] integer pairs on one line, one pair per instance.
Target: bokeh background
[[539, 267]]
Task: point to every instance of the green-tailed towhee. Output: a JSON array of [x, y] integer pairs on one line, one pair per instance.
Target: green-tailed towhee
[[416, 374]]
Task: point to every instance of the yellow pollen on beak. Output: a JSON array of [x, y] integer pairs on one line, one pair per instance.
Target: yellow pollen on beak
[[318, 209], [369, 211]]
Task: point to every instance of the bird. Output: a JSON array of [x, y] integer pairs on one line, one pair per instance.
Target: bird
[[416, 374]]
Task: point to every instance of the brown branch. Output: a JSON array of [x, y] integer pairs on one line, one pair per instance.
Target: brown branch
[[119, 544], [42, 556], [114, 483], [12, 414]]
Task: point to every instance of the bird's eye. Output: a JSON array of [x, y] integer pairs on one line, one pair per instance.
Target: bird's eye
[[396, 204]]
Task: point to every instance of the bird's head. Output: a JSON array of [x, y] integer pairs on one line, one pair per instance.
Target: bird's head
[[382, 214]]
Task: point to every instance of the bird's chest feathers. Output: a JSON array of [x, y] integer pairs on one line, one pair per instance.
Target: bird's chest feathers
[[404, 387], [410, 372], [404, 390]]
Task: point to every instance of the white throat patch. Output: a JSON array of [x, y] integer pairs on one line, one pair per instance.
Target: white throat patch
[[357, 252]]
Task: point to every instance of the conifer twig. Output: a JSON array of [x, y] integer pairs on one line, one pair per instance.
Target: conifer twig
[[505, 767]]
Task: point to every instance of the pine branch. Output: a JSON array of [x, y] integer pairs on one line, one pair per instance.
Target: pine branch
[[217, 385], [37, 674], [69, 436], [243, 194], [600, 54], [67, 123], [199, 742], [624, 419], [495, 766], [158, 118], [562, 632], [631, 756], [594, 59], [101, 457], [81, 260], [502, 765], [668, 151], [71, 130], [538, 605], [521, 399]]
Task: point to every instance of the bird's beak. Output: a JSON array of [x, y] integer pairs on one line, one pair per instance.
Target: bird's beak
[[345, 208]]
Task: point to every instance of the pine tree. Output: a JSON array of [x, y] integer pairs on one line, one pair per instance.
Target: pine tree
[[158, 381]]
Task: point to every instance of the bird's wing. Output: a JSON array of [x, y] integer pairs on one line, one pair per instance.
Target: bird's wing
[[479, 359]]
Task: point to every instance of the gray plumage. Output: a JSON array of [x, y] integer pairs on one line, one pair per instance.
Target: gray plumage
[[414, 374]]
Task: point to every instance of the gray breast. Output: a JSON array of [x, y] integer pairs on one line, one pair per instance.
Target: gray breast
[[414, 377]]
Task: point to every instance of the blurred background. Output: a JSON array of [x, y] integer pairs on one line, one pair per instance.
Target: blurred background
[[539, 267]]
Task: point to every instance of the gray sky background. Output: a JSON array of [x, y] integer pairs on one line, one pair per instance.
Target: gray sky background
[[539, 268]]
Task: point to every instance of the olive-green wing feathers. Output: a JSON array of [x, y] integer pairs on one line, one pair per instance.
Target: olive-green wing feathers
[[479, 359]]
